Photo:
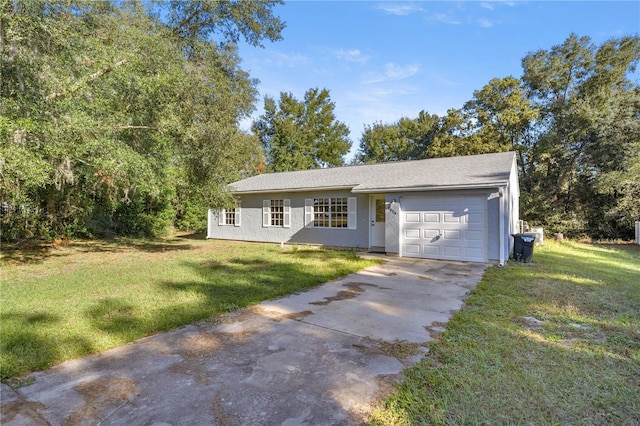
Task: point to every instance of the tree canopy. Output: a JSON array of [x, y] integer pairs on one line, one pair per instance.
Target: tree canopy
[[574, 121], [113, 121], [300, 135]]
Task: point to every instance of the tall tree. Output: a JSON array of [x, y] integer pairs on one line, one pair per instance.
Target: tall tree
[[589, 127], [300, 135], [504, 118], [407, 139], [107, 114]]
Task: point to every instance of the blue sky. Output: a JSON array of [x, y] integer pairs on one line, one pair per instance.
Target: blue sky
[[383, 60]]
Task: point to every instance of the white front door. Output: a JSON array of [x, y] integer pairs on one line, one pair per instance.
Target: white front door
[[376, 220]]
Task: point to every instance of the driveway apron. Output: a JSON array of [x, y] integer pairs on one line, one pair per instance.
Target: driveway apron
[[322, 357]]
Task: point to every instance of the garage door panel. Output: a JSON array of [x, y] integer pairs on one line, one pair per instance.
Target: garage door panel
[[431, 217], [453, 252], [474, 235], [429, 234], [451, 235], [477, 253], [431, 251], [475, 218], [445, 227], [412, 233], [412, 250], [451, 218], [412, 217]]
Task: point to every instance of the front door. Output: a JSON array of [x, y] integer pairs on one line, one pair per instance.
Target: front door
[[376, 219]]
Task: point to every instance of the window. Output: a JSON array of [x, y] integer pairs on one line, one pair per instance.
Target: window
[[335, 212], [276, 213], [339, 213], [229, 216]]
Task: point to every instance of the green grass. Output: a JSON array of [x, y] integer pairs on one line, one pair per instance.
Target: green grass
[[553, 342], [85, 297]]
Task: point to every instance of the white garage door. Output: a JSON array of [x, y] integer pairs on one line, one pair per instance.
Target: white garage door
[[444, 228]]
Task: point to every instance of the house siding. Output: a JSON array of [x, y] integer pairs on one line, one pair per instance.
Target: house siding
[[251, 228]]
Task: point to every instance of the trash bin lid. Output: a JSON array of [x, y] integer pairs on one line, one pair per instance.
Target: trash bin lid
[[527, 239]]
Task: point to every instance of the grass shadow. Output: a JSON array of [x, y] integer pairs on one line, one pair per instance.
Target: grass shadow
[[98, 302], [244, 281], [40, 252], [26, 344]]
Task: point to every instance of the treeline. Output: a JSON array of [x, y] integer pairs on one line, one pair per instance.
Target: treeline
[[574, 121], [121, 118]]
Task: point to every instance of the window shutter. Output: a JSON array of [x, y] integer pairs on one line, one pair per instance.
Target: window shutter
[[266, 207], [352, 209], [221, 217], [238, 215], [308, 212], [286, 213]]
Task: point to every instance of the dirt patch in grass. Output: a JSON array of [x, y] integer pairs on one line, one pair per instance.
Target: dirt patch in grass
[[399, 349]]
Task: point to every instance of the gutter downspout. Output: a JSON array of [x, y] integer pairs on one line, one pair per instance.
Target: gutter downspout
[[501, 245]]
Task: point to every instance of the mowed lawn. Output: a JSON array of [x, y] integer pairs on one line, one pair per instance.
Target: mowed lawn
[[553, 342], [60, 303]]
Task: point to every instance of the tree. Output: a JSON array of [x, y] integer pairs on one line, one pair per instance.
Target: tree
[[407, 139], [230, 19], [574, 121], [111, 118], [504, 116], [588, 132], [300, 135]]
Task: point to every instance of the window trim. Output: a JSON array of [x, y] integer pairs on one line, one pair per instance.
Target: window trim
[[309, 212], [222, 216], [267, 218]]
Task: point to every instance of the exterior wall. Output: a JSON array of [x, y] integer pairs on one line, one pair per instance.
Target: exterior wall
[[251, 228], [392, 225]]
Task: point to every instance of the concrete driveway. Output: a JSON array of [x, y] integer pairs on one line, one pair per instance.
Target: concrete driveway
[[323, 357]]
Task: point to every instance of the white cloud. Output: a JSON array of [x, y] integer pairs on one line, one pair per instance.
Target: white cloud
[[286, 59], [392, 71], [351, 55], [486, 5], [396, 72], [446, 19], [400, 9], [485, 23]]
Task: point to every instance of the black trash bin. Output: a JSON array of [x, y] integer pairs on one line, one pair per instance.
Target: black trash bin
[[523, 247]]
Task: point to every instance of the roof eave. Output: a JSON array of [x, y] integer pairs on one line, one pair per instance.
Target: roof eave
[[492, 185], [305, 189]]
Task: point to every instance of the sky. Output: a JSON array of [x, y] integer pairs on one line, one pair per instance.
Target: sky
[[384, 60]]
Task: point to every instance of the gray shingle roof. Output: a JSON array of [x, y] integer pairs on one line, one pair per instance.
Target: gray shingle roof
[[473, 171]]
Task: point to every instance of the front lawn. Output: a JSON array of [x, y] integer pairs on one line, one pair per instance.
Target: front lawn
[[85, 297], [553, 342]]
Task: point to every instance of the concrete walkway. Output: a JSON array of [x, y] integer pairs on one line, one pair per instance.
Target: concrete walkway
[[323, 357]]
